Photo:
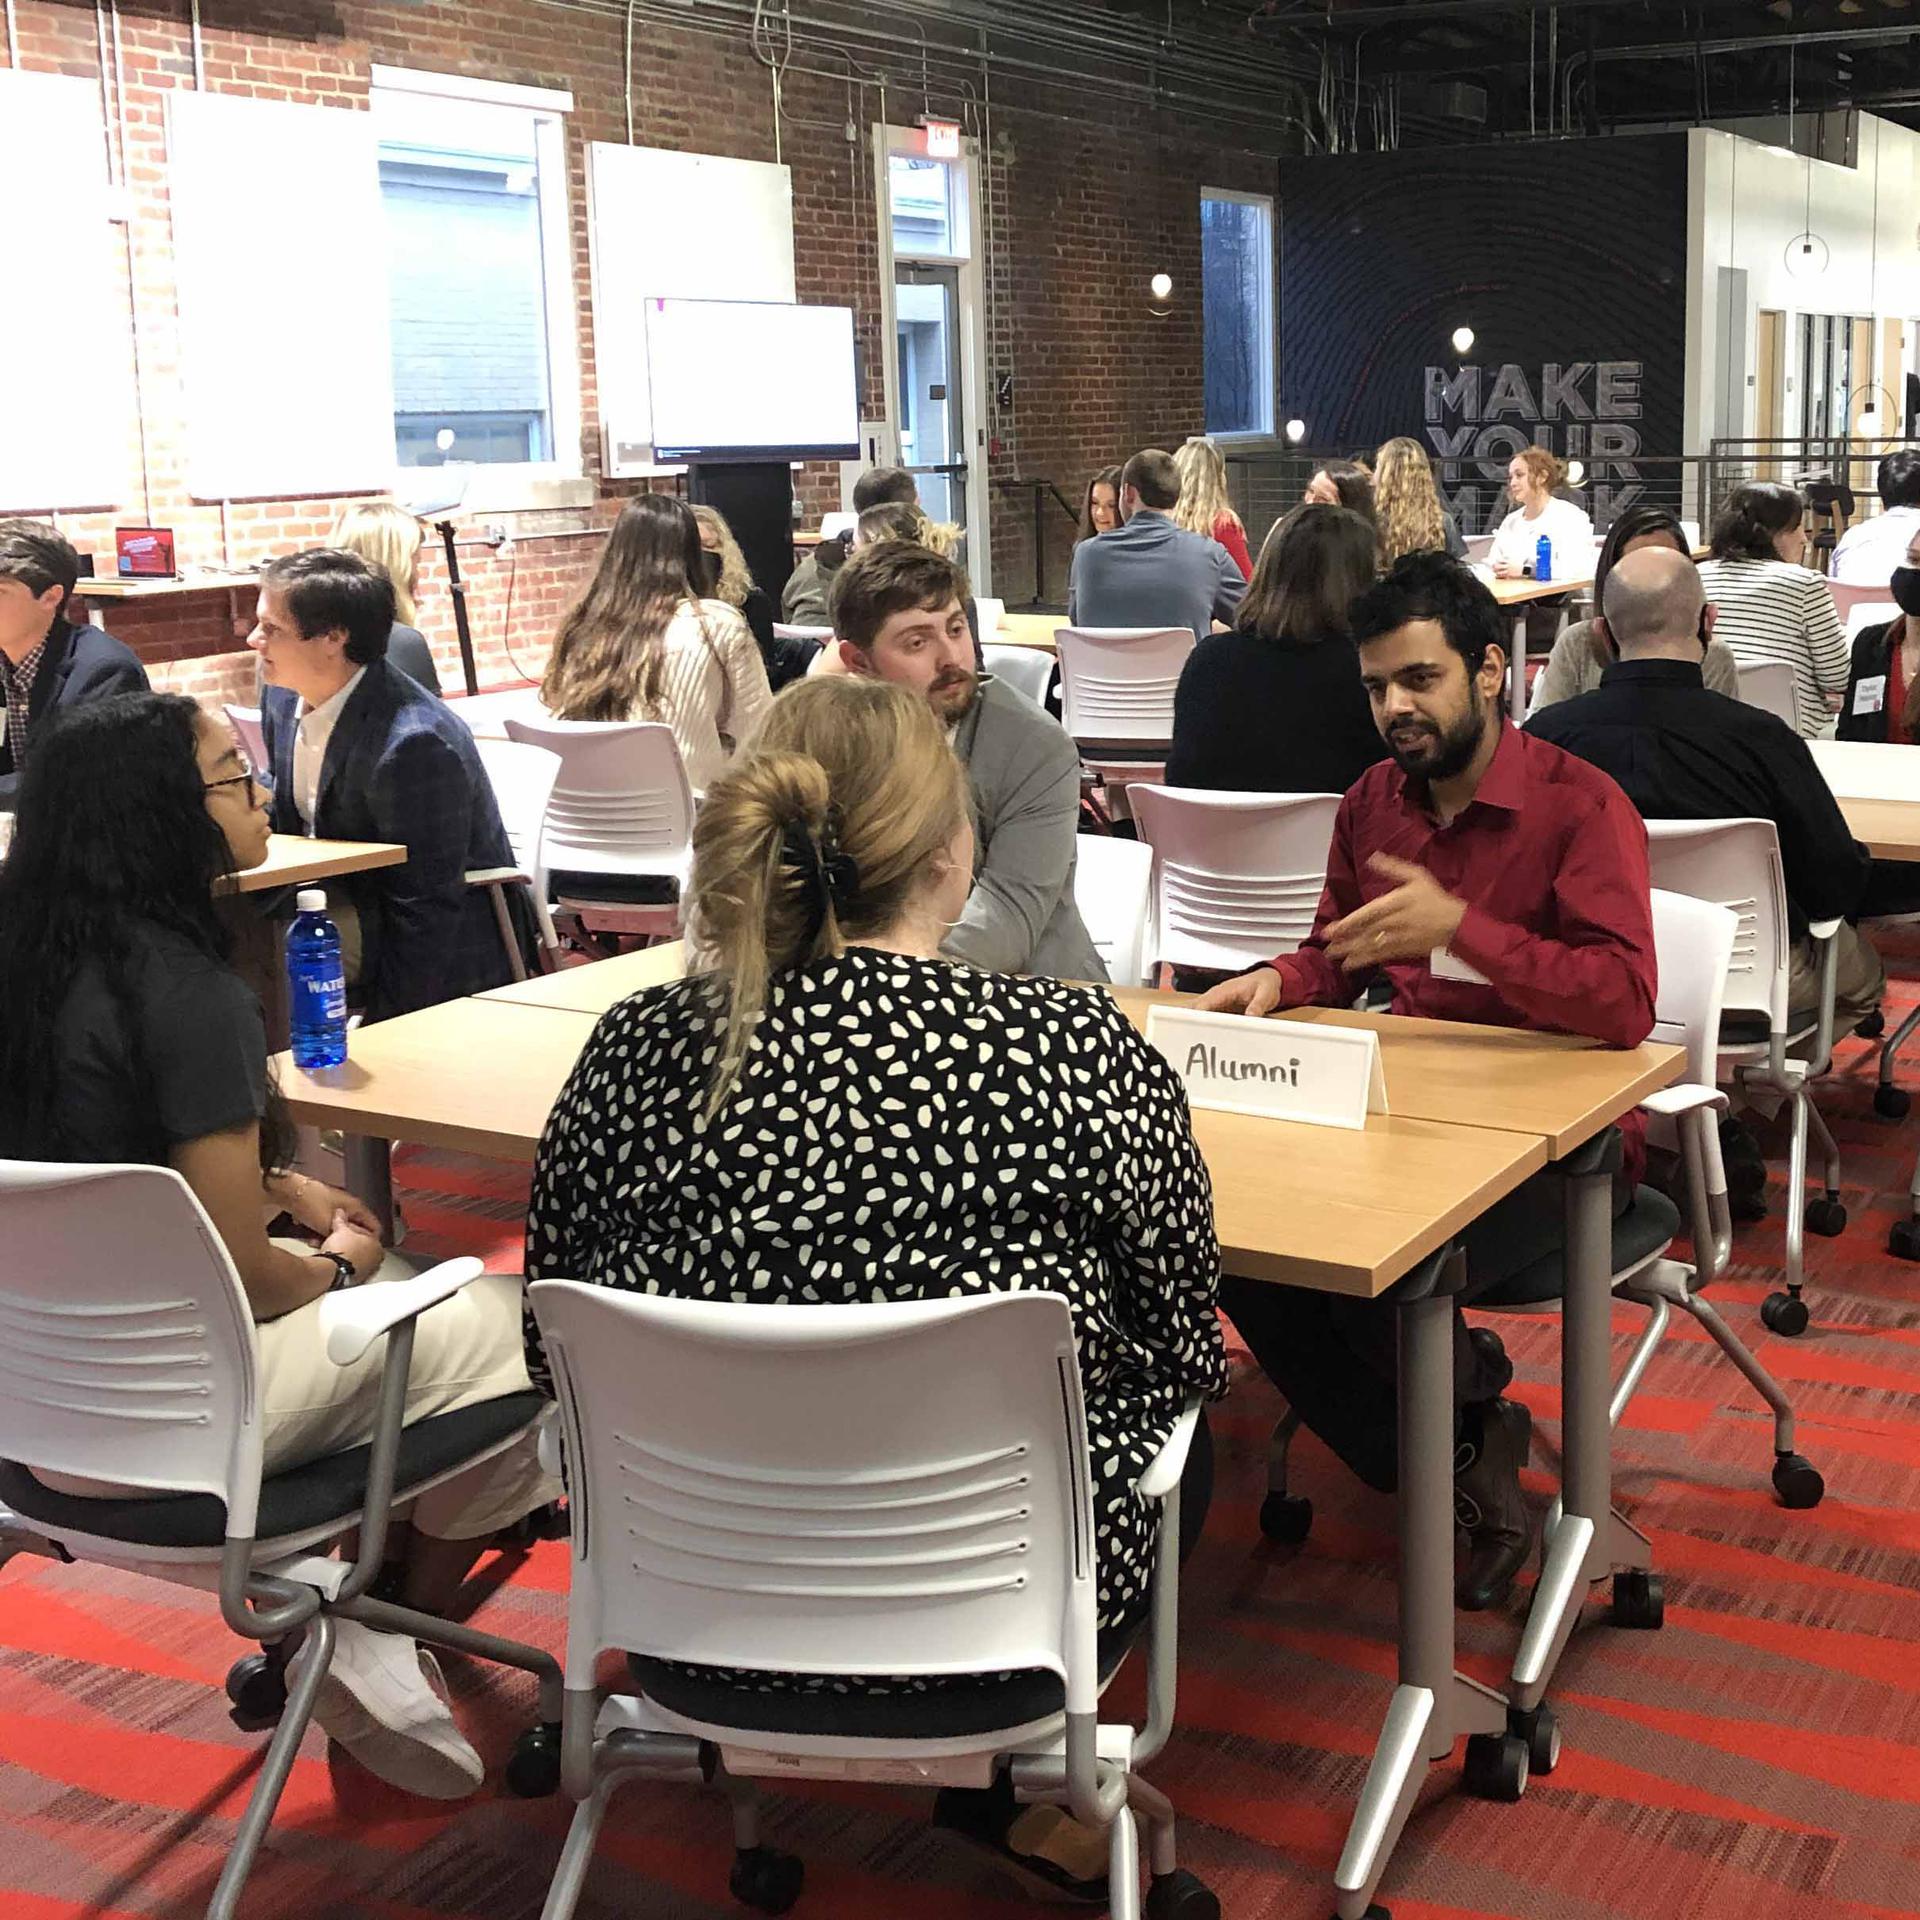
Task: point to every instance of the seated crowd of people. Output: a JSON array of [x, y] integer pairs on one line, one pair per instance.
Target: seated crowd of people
[[887, 838]]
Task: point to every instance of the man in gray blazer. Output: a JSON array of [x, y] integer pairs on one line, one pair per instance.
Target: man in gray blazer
[[900, 613], [1148, 572]]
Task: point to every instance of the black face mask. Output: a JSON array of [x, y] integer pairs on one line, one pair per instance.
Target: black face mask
[[1906, 589]]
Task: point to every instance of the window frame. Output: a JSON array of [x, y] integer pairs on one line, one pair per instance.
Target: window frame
[[1265, 371], [526, 483]]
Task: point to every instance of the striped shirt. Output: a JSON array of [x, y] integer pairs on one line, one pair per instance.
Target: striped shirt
[[1773, 610], [713, 691]]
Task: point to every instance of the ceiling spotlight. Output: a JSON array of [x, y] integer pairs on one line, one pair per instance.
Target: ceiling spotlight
[[1296, 431], [1161, 286], [1463, 339]]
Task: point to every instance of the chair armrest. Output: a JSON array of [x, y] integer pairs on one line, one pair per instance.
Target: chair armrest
[[548, 1447], [354, 1318], [1163, 1473], [497, 877], [1671, 1102], [1823, 929]]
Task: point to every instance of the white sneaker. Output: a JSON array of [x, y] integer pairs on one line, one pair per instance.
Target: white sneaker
[[384, 1700]]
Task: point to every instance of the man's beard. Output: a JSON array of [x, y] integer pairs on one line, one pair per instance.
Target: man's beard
[[1422, 749], [952, 696]]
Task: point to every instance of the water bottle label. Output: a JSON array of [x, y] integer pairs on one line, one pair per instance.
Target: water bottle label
[[321, 998]]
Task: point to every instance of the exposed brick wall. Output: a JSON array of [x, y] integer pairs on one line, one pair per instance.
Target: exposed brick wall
[[1077, 220]]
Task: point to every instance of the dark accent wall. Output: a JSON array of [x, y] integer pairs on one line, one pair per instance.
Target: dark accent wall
[[1568, 260]]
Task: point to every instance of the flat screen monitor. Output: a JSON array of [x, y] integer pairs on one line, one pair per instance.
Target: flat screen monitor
[[738, 380]]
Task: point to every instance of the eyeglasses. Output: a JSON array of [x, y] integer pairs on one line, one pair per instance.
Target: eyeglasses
[[247, 779]]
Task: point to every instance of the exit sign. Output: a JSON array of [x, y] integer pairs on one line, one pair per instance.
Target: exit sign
[[943, 139]]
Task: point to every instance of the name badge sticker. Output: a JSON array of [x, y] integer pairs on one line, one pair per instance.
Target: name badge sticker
[[1444, 964], [1870, 695], [1277, 1069]]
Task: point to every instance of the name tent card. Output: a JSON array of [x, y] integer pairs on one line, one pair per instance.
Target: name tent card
[[1279, 1069]]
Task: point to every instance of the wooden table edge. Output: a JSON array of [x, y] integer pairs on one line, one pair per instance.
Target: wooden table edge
[[359, 856]]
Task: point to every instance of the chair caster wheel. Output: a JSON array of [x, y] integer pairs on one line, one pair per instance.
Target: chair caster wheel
[[257, 1686], [1797, 1481], [1826, 1217], [1497, 1766], [765, 1879], [1181, 1895], [1286, 1518], [1639, 1601], [1541, 1731], [533, 1768], [1891, 1102], [1903, 1242], [1784, 1314], [1873, 1026]]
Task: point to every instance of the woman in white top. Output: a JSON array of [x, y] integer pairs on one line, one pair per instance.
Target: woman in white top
[[641, 644], [1532, 476], [1771, 607]]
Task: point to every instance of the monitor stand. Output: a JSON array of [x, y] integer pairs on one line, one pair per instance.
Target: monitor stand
[[756, 500]]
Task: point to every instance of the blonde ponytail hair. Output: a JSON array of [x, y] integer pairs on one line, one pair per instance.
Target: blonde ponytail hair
[[388, 537], [820, 834]]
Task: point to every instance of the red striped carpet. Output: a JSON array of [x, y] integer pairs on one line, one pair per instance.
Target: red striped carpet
[[1757, 1760]]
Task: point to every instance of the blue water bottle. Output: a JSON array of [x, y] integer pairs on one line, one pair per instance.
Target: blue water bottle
[[1543, 558], [317, 983]]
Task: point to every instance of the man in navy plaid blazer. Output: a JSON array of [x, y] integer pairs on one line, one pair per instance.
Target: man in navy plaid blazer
[[358, 751]]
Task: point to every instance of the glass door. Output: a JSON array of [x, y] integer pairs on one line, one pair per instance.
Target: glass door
[[932, 432]]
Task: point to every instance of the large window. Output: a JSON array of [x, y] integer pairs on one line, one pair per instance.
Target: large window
[[479, 278], [1236, 275]]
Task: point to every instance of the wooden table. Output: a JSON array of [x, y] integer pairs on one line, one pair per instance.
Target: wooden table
[[295, 861], [1868, 769], [117, 587], [599, 984], [1888, 829], [1027, 630]]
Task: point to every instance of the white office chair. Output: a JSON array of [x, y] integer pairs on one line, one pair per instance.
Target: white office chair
[[783, 630], [486, 714], [1846, 598], [1027, 670], [620, 810], [1869, 613], [1113, 889], [1479, 549], [1737, 864], [245, 722], [1769, 686], [522, 778], [130, 1357], [1116, 700], [989, 613], [1694, 943], [801, 1490], [1237, 877], [834, 524]]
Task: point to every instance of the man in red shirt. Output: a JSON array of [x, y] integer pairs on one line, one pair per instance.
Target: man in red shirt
[[1481, 875]]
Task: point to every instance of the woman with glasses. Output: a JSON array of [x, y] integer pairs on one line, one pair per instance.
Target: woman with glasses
[[130, 1038]]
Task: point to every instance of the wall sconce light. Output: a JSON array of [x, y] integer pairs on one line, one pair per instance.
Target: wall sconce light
[[1161, 286], [1463, 339], [1296, 431]]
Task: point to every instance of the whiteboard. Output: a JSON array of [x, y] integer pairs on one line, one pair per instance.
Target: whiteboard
[[685, 226], [66, 340], [280, 250]]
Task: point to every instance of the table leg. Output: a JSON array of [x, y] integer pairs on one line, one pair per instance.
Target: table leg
[[1517, 668], [1432, 1706], [369, 1176], [1591, 1541]]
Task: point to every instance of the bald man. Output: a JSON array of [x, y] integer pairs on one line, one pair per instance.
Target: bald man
[[1683, 753]]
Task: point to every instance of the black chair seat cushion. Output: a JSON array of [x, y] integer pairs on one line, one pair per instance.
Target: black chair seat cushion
[[1649, 1224], [868, 1709], [314, 1494]]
